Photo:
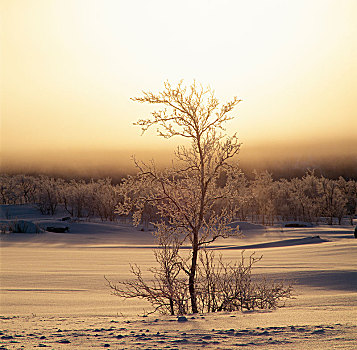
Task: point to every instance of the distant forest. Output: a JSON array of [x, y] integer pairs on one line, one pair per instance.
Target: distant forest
[[260, 198]]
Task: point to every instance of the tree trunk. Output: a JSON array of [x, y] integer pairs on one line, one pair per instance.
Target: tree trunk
[[192, 275], [331, 220], [172, 311]]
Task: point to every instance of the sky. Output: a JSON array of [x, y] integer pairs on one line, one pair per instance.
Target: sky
[[70, 67]]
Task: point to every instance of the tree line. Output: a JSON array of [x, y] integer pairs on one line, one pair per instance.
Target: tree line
[[262, 199], [78, 198]]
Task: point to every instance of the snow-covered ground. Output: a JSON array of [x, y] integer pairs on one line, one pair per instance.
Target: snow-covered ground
[[53, 292]]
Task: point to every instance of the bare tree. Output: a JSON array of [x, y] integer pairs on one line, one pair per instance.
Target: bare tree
[[220, 286], [167, 291], [8, 189], [333, 199], [185, 195], [48, 194], [26, 187], [230, 286], [263, 192], [349, 190]]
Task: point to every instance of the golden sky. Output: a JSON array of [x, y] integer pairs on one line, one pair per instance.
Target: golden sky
[[69, 68]]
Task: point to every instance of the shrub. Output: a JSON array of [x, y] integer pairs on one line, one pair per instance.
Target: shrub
[[21, 226], [220, 286]]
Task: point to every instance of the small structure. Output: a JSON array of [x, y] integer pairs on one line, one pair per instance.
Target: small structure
[[57, 229]]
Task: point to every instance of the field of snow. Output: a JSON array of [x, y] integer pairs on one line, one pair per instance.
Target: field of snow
[[53, 292]]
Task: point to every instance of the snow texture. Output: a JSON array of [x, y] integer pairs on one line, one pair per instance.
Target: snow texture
[[53, 293]]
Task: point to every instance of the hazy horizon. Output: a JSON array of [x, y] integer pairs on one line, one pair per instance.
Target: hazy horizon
[[333, 159]]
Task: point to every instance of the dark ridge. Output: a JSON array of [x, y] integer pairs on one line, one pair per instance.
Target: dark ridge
[[283, 243]]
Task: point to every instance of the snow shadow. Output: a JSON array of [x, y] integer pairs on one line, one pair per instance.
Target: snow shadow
[[275, 244], [345, 280]]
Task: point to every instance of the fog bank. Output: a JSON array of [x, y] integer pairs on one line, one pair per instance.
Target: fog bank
[[331, 159]]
